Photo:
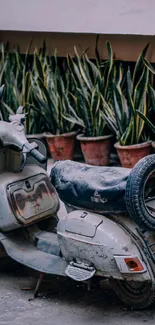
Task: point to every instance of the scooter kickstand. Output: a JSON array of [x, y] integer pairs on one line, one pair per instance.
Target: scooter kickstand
[[89, 285], [36, 291]]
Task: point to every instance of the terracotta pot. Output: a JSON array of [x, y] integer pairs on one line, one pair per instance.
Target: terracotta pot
[[96, 151], [130, 155], [61, 146], [37, 136]]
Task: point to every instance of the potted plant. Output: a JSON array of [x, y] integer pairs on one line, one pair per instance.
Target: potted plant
[[122, 114], [52, 100], [96, 139], [150, 120]]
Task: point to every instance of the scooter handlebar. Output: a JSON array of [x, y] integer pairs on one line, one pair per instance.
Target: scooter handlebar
[[31, 148], [38, 156]]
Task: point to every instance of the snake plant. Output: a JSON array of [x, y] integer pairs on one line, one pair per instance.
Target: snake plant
[[51, 94], [17, 81], [122, 113], [15, 72], [92, 95], [91, 81], [150, 120]]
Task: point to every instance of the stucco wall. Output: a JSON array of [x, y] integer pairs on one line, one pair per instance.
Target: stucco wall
[[79, 16], [129, 25]]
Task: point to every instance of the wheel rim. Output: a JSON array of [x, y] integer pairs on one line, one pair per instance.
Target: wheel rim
[[149, 194], [135, 294], [135, 289]]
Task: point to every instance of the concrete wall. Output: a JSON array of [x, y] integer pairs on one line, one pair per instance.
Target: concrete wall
[[129, 25], [79, 16], [126, 47]]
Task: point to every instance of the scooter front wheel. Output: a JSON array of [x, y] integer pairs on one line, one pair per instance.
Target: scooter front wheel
[[137, 295]]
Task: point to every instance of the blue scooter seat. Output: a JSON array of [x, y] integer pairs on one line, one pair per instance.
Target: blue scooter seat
[[100, 189]]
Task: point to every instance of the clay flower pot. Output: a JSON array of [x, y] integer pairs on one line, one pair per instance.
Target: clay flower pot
[[61, 146], [96, 151], [37, 136], [130, 155]]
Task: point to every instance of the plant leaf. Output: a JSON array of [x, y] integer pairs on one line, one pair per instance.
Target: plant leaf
[[148, 65], [151, 126]]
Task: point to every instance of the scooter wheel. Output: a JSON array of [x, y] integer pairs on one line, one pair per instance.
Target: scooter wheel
[[140, 193], [137, 295]]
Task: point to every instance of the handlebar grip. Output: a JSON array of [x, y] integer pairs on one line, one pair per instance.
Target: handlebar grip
[[38, 156]]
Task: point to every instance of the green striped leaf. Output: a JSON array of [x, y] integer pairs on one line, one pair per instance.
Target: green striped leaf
[[38, 66], [152, 96], [148, 65], [139, 65], [145, 119]]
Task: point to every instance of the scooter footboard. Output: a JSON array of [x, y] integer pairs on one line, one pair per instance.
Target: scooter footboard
[[23, 251]]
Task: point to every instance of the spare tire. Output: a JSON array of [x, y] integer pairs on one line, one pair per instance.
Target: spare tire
[[140, 193]]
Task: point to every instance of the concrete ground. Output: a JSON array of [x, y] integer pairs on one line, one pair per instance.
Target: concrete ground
[[62, 301]]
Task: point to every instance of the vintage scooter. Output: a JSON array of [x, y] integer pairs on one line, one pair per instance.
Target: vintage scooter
[[85, 244]]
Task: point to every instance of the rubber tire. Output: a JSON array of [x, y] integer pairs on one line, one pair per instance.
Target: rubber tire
[[143, 301], [134, 192]]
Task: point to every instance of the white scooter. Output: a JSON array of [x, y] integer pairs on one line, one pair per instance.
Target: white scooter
[[86, 243]]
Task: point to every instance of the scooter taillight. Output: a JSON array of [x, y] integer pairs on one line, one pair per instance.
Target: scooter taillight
[[134, 264], [130, 264]]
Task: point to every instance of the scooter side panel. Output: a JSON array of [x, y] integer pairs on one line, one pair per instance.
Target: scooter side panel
[[24, 252], [109, 241]]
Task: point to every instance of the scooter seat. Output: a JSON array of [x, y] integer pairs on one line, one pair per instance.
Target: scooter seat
[[100, 189]]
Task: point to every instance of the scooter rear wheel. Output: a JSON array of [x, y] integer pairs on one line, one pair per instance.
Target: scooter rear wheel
[[134, 294], [140, 193]]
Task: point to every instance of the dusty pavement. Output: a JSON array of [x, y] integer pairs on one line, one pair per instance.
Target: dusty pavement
[[63, 302]]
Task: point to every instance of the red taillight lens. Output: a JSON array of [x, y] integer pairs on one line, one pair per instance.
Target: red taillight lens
[[134, 264]]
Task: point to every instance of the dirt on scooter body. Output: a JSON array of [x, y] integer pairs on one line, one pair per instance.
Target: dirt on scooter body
[[85, 244]]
